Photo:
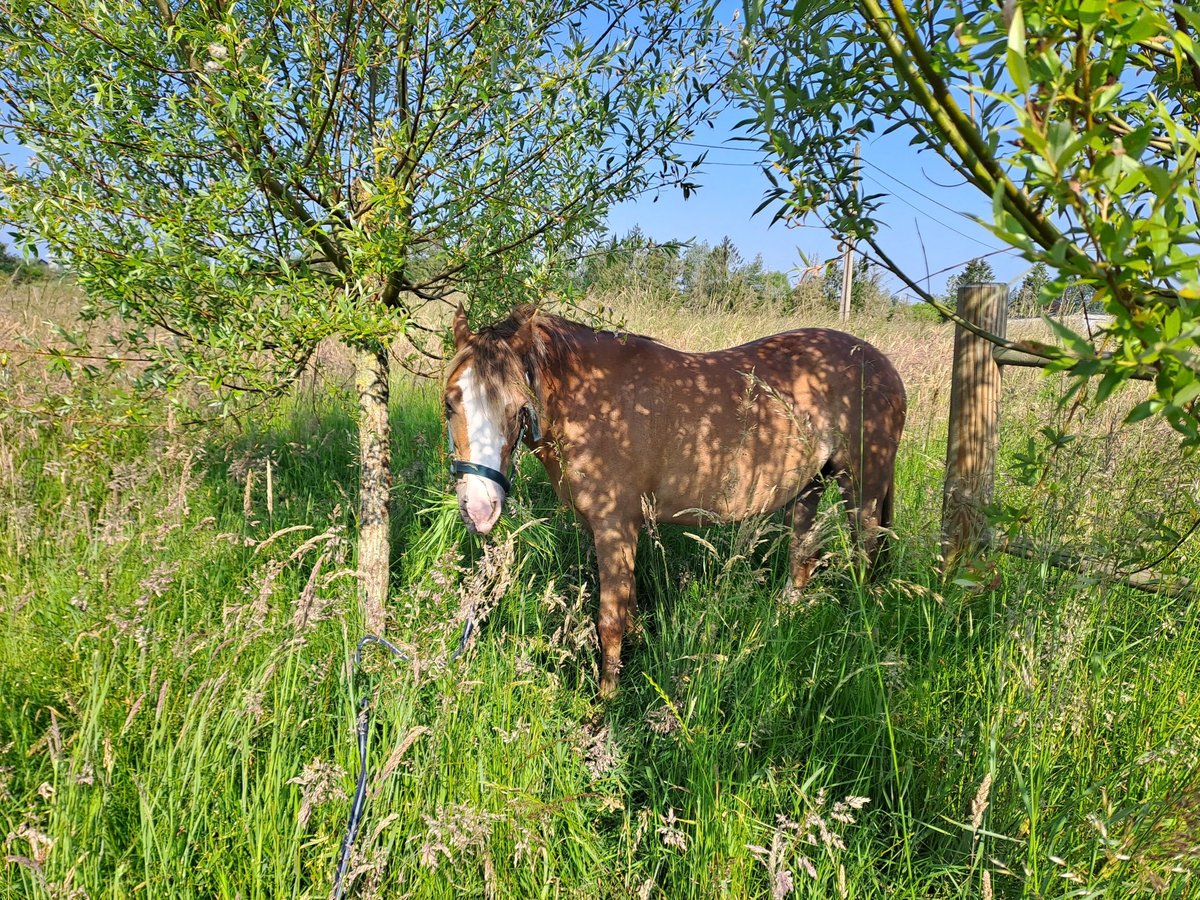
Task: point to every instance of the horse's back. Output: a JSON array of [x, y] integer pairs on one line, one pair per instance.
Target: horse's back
[[730, 432], [828, 359]]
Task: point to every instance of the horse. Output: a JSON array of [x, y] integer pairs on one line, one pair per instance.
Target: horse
[[629, 429]]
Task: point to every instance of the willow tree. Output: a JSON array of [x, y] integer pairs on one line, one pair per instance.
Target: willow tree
[[1079, 119], [252, 177]]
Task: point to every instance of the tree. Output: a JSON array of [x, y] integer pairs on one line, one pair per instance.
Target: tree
[[17, 269], [709, 274], [773, 288], [1079, 120], [718, 278], [675, 273], [865, 289], [1029, 298], [976, 271], [251, 178], [614, 265]]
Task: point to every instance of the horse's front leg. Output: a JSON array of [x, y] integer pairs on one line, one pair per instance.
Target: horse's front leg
[[616, 550]]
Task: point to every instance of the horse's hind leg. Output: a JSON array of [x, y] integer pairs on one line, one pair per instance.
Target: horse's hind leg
[[881, 561], [806, 536], [868, 502], [616, 550]]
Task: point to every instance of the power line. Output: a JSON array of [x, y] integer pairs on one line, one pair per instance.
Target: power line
[[709, 162], [713, 162], [992, 251], [909, 187], [933, 218], [894, 277], [723, 147]]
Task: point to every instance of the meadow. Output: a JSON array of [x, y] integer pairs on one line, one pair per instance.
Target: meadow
[[178, 623]]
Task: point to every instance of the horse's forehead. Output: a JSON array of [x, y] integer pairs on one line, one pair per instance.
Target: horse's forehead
[[490, 375], [478, 394], [463, 372], [458, 367]]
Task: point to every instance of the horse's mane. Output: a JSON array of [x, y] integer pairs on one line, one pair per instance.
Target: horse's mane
[[497, 362]]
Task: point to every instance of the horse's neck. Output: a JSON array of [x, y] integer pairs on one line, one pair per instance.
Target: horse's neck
[[567, 345], [573, 348]]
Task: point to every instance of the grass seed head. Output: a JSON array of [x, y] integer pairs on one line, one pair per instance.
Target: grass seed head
[[319, 783], [601, 755], [458, 829], [670, 835], [661, 720]]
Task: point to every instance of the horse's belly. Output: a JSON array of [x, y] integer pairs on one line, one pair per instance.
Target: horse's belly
[[752, 480], [701, 507]]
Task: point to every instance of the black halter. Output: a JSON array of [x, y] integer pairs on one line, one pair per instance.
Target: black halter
[[459, 468]]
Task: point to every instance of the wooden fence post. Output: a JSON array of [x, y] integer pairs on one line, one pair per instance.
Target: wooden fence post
[[974, 421]]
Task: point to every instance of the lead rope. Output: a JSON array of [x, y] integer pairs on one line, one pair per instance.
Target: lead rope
[[363, 721], [363, 729]]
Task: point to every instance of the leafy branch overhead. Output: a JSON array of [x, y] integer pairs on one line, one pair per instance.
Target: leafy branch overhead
[[254, 178], [1080, 119]]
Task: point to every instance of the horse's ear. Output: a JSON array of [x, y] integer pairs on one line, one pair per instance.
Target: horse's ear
[[522, 338], [462, 328]]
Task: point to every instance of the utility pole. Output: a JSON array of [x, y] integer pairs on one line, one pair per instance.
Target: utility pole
[[848, 257], [847, 279]]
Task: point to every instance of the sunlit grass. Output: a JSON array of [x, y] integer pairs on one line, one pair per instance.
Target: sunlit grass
[[177, 706]]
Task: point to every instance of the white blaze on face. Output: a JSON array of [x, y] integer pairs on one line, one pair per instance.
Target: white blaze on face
[[480, 499]]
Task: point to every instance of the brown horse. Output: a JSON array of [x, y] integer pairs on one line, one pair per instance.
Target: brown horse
[[625, 424]]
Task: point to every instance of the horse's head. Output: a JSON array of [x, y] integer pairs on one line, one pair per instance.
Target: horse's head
[[488, 401]]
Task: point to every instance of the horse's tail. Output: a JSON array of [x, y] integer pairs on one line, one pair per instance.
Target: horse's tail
[[888, 508], [881, 561]]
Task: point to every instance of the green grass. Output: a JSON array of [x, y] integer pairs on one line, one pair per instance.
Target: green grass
[[177, 712]]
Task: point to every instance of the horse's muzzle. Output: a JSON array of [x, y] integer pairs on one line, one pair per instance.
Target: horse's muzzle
[[480, 502]]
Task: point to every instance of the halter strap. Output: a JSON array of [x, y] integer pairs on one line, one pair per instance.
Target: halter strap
[[459, 468]]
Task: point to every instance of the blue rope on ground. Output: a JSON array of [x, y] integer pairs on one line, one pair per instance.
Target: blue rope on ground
[[363, 728]]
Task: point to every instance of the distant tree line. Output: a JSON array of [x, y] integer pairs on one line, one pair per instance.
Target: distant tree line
[[17, 270], [1036, 295], [717, 277], [707, 277]]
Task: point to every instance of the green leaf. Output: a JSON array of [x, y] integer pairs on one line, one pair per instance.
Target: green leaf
[[1075, 343], [1092, 11], [1143, 410], [1108, 383], [1018, 69]]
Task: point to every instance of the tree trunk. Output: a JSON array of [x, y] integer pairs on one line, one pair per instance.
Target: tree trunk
[[375, 481]]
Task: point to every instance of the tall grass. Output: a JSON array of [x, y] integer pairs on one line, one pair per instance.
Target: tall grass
[[177, 703]]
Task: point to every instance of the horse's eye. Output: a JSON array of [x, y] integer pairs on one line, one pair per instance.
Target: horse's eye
[[449, 410]]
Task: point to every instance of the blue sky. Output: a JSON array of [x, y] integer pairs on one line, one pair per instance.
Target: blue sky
[[924, 207]]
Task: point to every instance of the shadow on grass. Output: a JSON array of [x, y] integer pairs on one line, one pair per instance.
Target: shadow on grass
[[310, 446]]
